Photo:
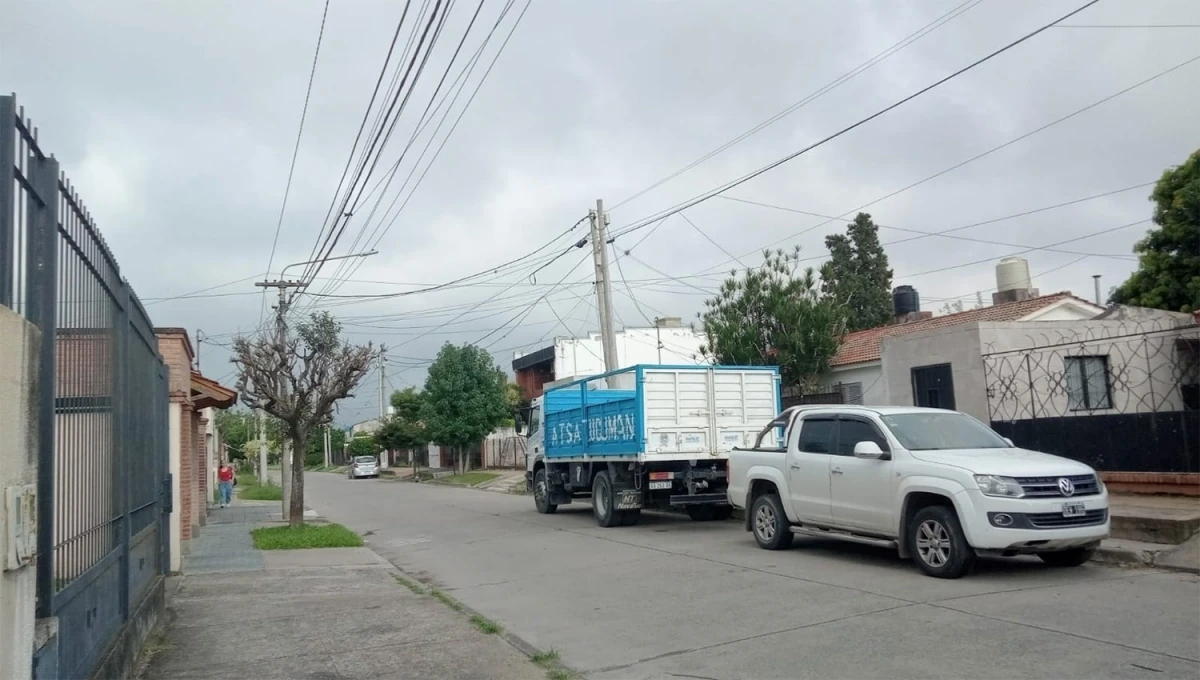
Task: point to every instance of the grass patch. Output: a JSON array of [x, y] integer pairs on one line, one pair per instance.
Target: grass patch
[[411, 585], [545, 659], [559, 674], [485, 626], [249, 488], [305, 536], [446, 600], [469, 478]]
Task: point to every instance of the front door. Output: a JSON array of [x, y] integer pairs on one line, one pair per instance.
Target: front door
[[933, 386], [809, 454], [860, 489]]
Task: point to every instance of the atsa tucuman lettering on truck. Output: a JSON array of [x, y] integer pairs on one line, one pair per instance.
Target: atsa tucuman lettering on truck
[[645, 437]]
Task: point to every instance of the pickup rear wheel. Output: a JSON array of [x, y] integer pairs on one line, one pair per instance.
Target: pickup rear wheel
[[541, 493], [938, 544], [770, 524], [603, 502]]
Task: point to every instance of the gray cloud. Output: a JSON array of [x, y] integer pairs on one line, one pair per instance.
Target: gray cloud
[[177, 120]]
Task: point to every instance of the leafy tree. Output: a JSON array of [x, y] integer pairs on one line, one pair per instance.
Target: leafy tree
[[237, 428], [857, 275], [363, 446], [515, 401], [1168, 273], [404, 430], [773, 317], [464, 399], [315, 455], [299, 380]]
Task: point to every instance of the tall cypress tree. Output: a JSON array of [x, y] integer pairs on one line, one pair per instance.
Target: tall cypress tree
[[857, 275]]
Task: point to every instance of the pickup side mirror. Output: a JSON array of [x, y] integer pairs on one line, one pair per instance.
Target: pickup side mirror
[[868, 449], [1010, 442]]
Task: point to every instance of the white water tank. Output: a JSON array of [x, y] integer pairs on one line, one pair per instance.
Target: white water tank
[[1012, 273]]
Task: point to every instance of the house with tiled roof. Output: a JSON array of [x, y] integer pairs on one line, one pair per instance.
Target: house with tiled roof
[[857, 368]]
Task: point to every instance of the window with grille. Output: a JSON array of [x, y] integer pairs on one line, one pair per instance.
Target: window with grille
[[1087, 383], [852, 393]]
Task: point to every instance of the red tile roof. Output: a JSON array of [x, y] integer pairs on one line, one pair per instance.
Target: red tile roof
[[866, 345]]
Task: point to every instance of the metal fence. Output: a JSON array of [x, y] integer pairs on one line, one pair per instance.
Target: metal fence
[[103, 491], [1121, 397]]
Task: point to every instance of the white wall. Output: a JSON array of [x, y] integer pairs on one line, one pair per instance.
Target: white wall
[[578, 357], [958, 346], [18, 467], [868, 375]]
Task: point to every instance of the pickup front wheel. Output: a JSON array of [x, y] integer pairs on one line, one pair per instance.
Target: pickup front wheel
[[937, 542], [770, 524]]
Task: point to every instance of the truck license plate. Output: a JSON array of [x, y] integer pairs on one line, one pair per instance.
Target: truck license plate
[[660, 485], [1073, 510]]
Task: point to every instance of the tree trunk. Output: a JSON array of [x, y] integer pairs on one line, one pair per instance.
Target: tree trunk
[[296, 504]]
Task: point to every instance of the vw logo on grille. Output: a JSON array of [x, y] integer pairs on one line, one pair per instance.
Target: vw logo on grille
[[1066, 487]]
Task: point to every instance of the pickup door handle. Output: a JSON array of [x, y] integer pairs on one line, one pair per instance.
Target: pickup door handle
[[835, 471], [794, 466]]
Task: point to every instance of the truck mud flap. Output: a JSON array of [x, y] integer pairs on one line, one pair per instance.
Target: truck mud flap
[[628, 499], [700, 499]]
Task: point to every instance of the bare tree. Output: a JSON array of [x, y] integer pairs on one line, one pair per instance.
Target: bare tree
[[299, 380]]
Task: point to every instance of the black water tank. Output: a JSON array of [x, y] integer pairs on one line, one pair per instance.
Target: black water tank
[[905, 300]]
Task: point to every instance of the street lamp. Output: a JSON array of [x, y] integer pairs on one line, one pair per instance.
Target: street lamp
[[328, 259]]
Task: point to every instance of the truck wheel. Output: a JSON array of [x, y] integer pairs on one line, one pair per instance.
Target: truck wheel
[[603, 502], [771, 529], [1067, 558], [541, 494], [937, 543], [630, 517], [702, 513]]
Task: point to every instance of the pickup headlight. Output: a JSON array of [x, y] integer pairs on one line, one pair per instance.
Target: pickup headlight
[[1006, 487]]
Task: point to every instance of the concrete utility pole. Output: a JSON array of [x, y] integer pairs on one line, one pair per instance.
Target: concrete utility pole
[[262, 449], [382, 388], [281, 334], [658, 337], [325, 443], [608, 334]]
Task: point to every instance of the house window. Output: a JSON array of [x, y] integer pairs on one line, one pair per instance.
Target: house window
[[852, 393], [1087, 383]]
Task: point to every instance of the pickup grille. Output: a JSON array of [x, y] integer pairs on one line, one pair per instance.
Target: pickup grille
[[1043, 487], [1055, 520]]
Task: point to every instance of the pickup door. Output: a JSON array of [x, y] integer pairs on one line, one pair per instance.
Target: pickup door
[[810, 444], [861, 489]]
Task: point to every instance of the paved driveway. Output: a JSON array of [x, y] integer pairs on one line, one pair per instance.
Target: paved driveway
[[671, 598]]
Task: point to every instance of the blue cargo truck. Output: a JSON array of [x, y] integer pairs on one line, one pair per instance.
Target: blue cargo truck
[[646, 437]]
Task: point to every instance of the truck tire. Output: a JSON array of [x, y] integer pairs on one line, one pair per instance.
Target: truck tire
[[937, 543], [603, 501], [541, 493], [702, 513], [1068, 558], [770, 524]]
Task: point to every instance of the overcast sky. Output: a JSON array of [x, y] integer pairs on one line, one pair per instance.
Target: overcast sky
[[176, 121]]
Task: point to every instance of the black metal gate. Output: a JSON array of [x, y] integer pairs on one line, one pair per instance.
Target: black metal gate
[[1121, 397], [102, 419]]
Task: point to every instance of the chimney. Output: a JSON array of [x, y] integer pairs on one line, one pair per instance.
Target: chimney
[[906, 305], [1012, 281]]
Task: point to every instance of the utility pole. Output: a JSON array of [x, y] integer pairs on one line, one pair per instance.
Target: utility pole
[[281, 333], [262, 449], [608, 333], [326, 441], [382, 389], [658, 337], [199, 341]]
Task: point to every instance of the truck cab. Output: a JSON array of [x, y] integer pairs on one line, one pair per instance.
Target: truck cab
[[937, 485]]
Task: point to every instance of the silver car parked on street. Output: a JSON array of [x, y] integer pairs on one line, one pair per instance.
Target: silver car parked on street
[[363, 466]]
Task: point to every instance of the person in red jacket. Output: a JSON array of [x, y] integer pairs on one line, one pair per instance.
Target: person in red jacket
[[225, 479]]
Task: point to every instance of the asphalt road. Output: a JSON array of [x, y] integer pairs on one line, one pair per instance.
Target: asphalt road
[[671, 598]]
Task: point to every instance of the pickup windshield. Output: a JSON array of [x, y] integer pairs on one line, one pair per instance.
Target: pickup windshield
[[938, 431]]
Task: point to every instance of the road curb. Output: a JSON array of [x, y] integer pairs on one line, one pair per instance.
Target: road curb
[[1140, 556]]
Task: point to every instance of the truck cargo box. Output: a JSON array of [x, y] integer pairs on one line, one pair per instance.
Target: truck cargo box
[[650, 412]]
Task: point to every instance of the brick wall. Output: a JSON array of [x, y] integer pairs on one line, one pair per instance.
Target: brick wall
[[197, 465], [187, 473], [205, 494]]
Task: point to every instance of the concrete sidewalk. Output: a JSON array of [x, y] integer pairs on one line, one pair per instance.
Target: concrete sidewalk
[[332, 613]]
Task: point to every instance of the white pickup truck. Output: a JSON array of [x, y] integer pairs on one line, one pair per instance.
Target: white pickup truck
[[938, 485]]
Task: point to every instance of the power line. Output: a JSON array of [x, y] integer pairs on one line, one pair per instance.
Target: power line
[[295, 154], [1128, 26], [746, 178], [816, 94]]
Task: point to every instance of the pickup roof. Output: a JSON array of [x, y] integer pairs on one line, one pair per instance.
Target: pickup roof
[[938, 485]]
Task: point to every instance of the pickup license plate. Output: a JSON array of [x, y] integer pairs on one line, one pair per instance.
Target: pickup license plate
[[1073, 510], [660, 485]]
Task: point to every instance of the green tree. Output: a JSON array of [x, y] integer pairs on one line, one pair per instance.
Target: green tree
[[299, 380], [464, 399], [404, 430], [363, 446], [1168, 273], [857, 275], [772, 316], [237, 428], [315, 456]]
